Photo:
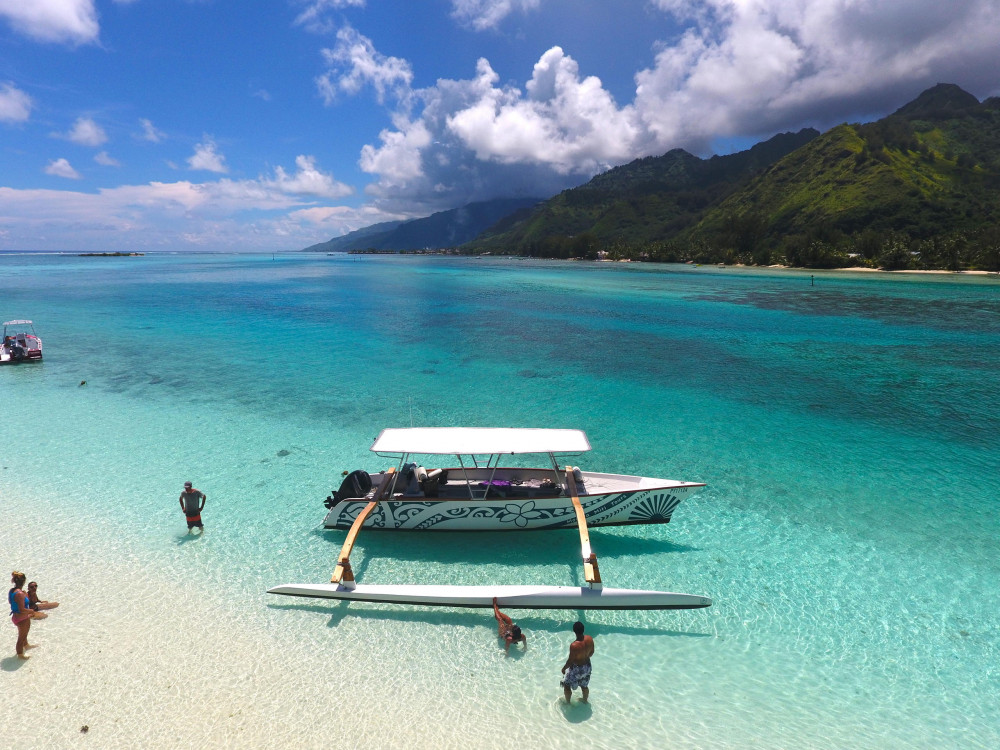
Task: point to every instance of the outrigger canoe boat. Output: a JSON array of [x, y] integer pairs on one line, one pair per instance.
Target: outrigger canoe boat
[[477, 494], [20, 343], [471, 441]]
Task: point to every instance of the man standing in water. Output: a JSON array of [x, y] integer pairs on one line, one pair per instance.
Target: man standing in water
[[192, 501], [576, 670]]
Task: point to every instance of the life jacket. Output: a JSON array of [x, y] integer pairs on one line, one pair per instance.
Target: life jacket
[[12, 598]]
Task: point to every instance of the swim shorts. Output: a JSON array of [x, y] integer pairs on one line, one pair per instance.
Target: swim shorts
[[577, 676], [194, 521]]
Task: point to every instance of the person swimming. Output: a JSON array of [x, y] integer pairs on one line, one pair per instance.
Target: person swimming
[[508, 629]]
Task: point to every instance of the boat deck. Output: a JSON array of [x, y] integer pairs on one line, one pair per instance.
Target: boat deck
[[519, 483]]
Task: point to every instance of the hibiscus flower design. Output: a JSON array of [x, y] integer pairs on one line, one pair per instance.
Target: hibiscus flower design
[[519, 514]]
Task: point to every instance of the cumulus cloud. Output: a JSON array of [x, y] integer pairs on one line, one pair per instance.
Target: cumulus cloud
[[736, 68], [267, 213], [315, 17], [86, 132], [104, 160], [207, 157], [487, 14], [567, 122], [354, 62], [62, 168], [150, 132], [307, 180], [69, 21], [15, 105], [750, 67]]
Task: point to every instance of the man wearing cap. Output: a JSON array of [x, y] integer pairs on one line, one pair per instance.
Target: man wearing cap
[[192, 502]]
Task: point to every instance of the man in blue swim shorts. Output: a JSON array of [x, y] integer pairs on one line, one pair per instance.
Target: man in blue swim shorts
[[576, 670]]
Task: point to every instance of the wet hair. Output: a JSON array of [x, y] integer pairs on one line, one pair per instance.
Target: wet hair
[[578, 629], [515, 632], [18, 578]]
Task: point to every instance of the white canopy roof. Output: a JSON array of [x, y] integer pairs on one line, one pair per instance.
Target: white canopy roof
[[17, 322], [479, 440]]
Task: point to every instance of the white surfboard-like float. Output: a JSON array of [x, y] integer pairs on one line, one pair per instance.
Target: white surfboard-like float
[[516, 597], [592, 596]]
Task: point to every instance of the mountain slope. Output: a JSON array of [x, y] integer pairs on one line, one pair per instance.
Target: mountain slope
[[441, 230], [642, 201], [929, 170]]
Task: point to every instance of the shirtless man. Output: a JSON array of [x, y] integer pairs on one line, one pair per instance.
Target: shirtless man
[[578, 664], [507, 630], [192, 503]]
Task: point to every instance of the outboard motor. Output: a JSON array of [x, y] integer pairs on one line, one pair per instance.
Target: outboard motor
[[355, 484]]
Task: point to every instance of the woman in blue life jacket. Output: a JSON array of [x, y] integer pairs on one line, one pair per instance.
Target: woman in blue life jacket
[[21, 613]]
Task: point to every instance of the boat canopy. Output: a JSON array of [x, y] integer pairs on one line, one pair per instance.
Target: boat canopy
[[479, 440], [18, 323]]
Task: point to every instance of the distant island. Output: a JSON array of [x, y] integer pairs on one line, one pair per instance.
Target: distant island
[[109, 255], [916, 190]]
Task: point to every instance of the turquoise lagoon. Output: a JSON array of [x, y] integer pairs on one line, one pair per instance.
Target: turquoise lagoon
[[846, 426]]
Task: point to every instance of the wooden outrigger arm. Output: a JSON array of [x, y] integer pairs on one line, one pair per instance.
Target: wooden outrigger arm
[[590, 569], [343, 574]]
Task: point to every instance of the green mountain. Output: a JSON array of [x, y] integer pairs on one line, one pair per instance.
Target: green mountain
[[359, 238], [923, 181], [645, 201], [915, 189], [441, 230]]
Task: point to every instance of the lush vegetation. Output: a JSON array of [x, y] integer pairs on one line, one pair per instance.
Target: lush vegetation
[[916, 190]]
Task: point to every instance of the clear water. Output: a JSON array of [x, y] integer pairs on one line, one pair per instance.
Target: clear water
[[847, 431]]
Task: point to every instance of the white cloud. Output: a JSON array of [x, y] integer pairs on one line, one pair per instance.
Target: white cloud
[[104, 160], [62, 168], [567, 122], [150, 132], [315, 17], [355, 62], [307, 180], [487, 14], [737, 68], [225, 214], [206, 157], [86, 132], [70, 21], [15, 105], [398, 160], [750, 67]]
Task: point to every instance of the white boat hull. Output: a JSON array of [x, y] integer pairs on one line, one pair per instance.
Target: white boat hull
[[641, 506], [515, 597]]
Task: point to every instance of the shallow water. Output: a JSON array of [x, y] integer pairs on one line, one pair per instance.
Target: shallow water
[[848, 534]]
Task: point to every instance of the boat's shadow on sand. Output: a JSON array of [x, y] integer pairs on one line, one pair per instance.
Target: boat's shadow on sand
[[531, 620]]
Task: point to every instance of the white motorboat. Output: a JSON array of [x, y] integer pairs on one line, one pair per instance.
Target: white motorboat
[[485, 501], [477, 494], [20, 343]]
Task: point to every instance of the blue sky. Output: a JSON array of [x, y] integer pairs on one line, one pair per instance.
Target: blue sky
[[268, 125]]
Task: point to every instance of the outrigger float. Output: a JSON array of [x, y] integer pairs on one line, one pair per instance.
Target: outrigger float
[[592, 596]]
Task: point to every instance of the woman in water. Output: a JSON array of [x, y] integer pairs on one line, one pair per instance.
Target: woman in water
[[21, 613], [507, 629]]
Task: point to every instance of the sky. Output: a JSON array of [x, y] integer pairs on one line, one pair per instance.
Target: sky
[[270, 125]]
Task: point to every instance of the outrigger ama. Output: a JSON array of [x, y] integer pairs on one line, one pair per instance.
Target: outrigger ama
[[493, 497]]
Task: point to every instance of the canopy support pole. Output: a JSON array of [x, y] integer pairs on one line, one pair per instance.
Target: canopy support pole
[[343, 574], [590, 569]]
